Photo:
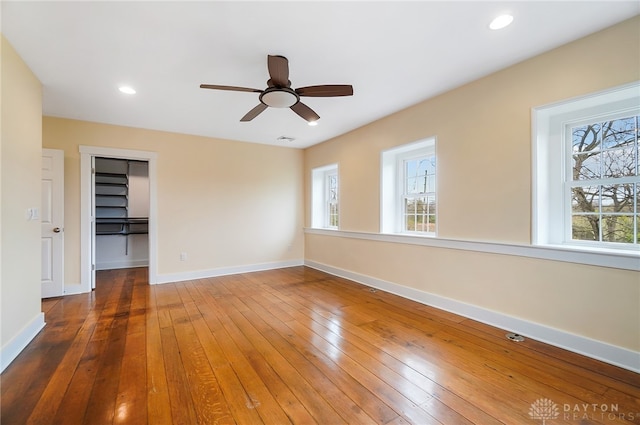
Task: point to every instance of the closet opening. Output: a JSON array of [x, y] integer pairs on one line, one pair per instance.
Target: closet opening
[[122, 204]]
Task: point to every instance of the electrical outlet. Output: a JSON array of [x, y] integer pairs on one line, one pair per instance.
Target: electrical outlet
[[183, 256]]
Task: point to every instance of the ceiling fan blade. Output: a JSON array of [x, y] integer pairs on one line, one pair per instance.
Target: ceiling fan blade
[[305, 112], [254, 112], [328, 90], [278, 71], [230, 88]]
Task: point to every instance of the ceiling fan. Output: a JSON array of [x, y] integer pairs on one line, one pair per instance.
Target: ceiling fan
[[279, 93]]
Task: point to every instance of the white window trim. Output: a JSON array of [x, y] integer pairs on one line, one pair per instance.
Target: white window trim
[[391, 185], [320, 196], [550, 225]]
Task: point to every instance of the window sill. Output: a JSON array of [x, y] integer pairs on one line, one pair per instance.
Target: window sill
[[624, 252], [613, 258], [412, 234]]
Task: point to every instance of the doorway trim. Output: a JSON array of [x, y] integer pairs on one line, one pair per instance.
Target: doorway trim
[[86, 202]]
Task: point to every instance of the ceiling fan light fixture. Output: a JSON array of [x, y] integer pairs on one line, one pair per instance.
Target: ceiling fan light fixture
[[313, 123], [279, 98]]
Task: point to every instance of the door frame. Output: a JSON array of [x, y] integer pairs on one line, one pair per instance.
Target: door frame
[[87, 153]]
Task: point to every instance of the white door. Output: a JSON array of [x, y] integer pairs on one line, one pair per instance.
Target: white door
[[93, 222], [52, 219]]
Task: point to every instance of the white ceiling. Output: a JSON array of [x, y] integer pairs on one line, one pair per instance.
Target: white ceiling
[[395, 54]]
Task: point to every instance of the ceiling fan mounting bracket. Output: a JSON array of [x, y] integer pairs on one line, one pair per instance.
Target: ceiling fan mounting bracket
[[271, 83]]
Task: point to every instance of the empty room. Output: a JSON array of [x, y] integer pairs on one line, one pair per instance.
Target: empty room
[[320, 212]]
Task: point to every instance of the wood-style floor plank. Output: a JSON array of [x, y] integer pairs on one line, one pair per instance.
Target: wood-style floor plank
[[296, 346], [251, 341], [351, 362], [131, 400], [326, 364], [52, 396], [158, 405]]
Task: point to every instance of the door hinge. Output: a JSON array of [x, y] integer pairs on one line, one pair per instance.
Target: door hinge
[[93, 267]]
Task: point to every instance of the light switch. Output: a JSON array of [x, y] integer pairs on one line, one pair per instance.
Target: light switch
[[33, 214]]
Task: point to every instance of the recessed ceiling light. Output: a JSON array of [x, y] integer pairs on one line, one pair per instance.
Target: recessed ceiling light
[[127, 90], [313, 123], [501, 22]]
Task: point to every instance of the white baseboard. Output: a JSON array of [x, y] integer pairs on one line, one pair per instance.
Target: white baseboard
[[608, 353], [11, 349], [223, 271]]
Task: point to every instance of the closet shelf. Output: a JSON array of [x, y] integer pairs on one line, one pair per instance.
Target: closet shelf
[[107, 174], [122, 225], [113, 220]]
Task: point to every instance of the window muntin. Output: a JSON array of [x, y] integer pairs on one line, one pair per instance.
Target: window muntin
[[603, 181]]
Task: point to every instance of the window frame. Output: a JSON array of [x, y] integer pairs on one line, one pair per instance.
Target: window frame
[[321, 202], [552, 163], [393, 184], [570, 183], [332, 204]]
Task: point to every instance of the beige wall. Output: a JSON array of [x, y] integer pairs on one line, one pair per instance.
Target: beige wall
[[20, 189], [224, 203], [483, 132]]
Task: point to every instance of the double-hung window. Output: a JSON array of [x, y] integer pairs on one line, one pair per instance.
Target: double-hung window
[[331, 203], [325, 196], [587, 171], [602, 179], [409, 189], [419, 194]]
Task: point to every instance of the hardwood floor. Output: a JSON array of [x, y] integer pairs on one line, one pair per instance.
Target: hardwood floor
[[292, 346]]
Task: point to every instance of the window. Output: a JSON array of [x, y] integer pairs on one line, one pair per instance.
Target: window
[[325, 195], [409, 189], [332, 199], [603, 180], [419, 194], [586, 171]]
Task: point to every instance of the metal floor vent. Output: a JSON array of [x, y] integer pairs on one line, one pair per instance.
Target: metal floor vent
[[515, 337]]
